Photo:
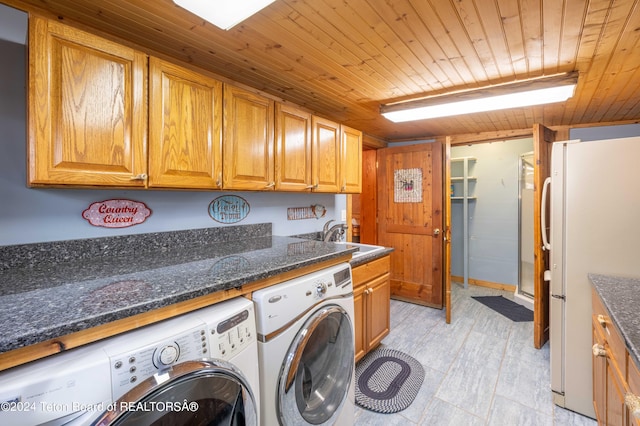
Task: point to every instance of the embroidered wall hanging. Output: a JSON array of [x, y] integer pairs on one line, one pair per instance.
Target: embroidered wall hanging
[[407, 186]]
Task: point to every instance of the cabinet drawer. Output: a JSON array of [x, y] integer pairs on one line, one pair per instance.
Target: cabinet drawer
[[369, 271], [612, 336]]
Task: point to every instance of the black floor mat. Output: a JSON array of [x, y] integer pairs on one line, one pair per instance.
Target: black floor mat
[[506, 307]]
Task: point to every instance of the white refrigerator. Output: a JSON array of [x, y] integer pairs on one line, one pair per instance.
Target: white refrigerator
[[594, 228]]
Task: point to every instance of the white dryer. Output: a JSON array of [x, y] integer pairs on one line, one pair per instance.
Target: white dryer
[[306, 349], [198, 368]]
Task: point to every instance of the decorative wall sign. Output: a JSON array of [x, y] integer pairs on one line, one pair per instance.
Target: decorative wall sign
[[229, 209], [315, 211], [116, 213], [407, 186]]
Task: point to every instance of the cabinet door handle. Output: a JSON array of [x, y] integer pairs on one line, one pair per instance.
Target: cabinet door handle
[[633, 404], [219, 181], [270, 185], [598, 350], [602, 320], [141, 176]]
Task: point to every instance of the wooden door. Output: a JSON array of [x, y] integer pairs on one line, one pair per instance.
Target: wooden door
[[185, 128], [367, 200], [326, 153], [410, 220], [350, 160], [293, 149], [87, 109], [542, 141], [447, 230], [248, 140]]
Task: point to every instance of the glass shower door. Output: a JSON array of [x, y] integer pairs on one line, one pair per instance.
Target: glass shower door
[[525, 282]]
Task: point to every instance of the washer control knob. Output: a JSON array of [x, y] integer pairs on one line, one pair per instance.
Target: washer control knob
[[321, 289], [167, 355]]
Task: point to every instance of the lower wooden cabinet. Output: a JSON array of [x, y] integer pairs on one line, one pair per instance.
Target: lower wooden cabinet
[[616, 379], [371, 294]]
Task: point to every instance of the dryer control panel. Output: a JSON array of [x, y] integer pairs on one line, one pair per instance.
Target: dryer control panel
[[131, 367], [233, 335], [220, 331]]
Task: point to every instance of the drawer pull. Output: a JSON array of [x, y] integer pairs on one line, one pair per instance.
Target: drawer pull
[[141, 176], [599, 350], [602, 320], [633, 404]]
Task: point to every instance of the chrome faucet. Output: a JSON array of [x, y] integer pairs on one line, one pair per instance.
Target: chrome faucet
[[333, 233]]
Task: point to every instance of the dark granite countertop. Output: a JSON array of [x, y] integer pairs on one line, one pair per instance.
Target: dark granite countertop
[[49, 290], [621, 297]]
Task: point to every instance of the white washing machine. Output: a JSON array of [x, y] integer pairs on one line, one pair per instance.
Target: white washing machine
[[198, 368], [306, 349]]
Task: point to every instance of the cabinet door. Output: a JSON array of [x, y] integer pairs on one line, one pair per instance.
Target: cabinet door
[[616, 410], [633, 381], [359, 321], [293, 149], [247, 140], [351, 160], [599, 370], [378, 309], [185, 128], [87, 109], [326, 155]]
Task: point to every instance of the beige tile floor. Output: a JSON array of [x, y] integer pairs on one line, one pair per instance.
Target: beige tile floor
[[481, 369]]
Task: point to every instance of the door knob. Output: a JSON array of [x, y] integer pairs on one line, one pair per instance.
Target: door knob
[[436, 231]]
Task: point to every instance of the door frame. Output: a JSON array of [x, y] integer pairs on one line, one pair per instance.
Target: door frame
[[542, 139]]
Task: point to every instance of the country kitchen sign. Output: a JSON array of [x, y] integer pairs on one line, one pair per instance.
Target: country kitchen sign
[[116, 213]]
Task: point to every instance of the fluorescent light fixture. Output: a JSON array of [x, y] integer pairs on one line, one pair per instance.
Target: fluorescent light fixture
[[556, 88], [223, 13]]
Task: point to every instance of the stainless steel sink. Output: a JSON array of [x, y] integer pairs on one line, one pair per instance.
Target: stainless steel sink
[[364, 249]]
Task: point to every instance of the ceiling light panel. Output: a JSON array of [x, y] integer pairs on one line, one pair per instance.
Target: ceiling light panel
[[557, 88], [224, 14]]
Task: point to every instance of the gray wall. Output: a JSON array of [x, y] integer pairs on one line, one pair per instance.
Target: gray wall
[[605, 132], [30, 215]]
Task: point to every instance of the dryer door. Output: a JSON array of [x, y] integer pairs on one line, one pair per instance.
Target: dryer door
[[191, 393], [318, 369]]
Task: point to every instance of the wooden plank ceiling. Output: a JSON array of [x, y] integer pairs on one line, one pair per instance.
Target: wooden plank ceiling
[[344, 58]]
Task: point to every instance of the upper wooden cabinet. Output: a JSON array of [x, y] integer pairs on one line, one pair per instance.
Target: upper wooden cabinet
[[326, 159], [248, 140], [87, 109], [88, 121], [293, 149], [185, 128], [350, 160]]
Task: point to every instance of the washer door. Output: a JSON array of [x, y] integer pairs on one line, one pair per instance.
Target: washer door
[[207, 392], [318, 369]]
